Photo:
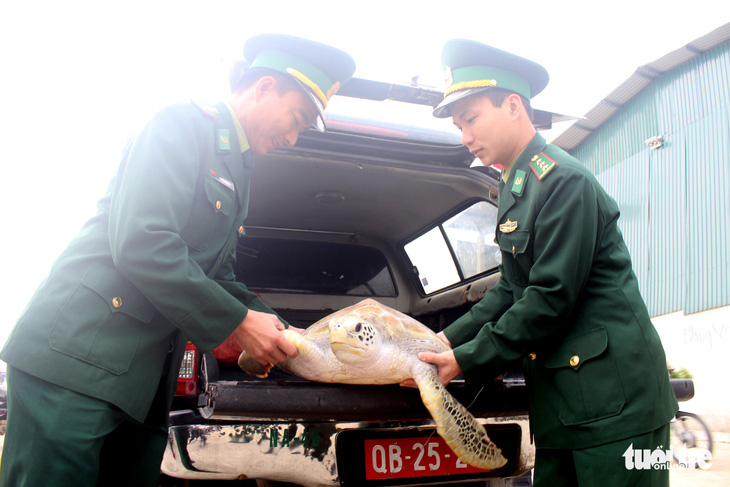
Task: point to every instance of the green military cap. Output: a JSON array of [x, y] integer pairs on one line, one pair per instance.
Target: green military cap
[[472, 67], [318, 68]]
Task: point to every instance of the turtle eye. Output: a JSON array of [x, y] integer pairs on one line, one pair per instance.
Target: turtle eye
[[358, 328]]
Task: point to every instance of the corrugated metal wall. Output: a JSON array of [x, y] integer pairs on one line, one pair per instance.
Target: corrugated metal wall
[[666, 286], [675, 200]]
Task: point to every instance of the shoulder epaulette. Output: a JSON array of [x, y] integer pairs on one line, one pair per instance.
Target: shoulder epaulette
[[208, 110], [223, 138], [541, 165]]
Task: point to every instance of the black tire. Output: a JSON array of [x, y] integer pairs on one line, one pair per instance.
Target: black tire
[[690, 437]]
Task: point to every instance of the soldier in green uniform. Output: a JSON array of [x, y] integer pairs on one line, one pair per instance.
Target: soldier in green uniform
[[567, 305], [93, 360]]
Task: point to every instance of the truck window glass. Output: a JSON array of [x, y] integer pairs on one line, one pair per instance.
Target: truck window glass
[[432, 260], [470, 234], [300, 266]]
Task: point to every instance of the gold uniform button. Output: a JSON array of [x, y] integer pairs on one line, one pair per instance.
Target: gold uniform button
[[117, 302], [240, 230], [533, 356], [218, 205], [574, 360], [514, 251]]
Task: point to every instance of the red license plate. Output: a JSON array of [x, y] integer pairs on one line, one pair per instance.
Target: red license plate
[[412, 457]]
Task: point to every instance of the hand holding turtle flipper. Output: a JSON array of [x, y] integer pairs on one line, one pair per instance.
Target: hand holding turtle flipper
[[260, 334], [459, 429], [448, 367], [252, 367]]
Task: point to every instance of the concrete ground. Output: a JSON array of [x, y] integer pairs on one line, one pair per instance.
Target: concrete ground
[[717, 475]]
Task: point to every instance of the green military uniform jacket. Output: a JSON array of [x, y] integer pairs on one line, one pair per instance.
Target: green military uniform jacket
[[151, 270], [567, 305]]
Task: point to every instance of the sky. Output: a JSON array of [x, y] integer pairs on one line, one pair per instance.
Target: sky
[[78, 78]]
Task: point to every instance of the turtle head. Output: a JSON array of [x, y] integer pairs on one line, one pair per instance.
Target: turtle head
[[353, 338]]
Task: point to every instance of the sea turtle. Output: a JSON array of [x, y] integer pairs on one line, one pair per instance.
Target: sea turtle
[[369, 343]]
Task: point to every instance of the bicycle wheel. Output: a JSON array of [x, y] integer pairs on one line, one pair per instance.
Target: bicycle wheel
[[691, 438]]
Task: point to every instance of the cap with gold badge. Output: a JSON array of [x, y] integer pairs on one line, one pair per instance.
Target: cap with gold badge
[[472, 67], [318, 68]]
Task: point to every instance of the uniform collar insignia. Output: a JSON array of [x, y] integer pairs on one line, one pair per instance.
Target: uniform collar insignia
[[224, 141], [519, 182]]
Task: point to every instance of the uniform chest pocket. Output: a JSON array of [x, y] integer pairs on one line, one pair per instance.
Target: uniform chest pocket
[[585, 374], [516, 258], [219, 196], [210, 217]]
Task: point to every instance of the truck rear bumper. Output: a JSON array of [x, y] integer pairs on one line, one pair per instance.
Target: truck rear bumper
[[302, 453], [280, 451]]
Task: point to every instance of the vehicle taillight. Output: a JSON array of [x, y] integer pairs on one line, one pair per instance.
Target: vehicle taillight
[[187, 381]]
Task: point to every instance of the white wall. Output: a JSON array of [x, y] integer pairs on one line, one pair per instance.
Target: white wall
[[700, 342]]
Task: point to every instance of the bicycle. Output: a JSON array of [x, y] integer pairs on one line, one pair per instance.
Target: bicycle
[[690, 440]]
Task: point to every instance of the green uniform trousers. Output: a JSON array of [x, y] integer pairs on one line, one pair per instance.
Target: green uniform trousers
[[605, 465], [75, 440]]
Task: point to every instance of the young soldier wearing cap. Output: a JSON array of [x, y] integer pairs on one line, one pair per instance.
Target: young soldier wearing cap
[[567, 304], [93, 360]]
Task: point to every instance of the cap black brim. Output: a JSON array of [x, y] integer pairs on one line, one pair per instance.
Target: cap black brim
[[443, 109], [320, 123]]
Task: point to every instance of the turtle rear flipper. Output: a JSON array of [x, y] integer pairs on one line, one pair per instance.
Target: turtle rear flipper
[[461, 431]]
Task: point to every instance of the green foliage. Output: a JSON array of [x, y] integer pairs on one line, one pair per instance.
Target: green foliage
[[680, 373]]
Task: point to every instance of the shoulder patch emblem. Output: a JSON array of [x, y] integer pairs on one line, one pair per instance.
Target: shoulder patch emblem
[[541, 165]]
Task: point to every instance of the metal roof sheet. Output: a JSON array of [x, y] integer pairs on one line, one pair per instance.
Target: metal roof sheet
[[642, 77]]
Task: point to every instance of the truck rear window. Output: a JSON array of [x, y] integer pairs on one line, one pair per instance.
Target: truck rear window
[[302, 266]]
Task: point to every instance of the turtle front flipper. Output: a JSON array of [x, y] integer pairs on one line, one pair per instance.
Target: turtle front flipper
[[310, 364], [461, 431], [314, 362], [252, 367]]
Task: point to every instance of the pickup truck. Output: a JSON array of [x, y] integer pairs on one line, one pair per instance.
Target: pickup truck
[[373, 208]]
